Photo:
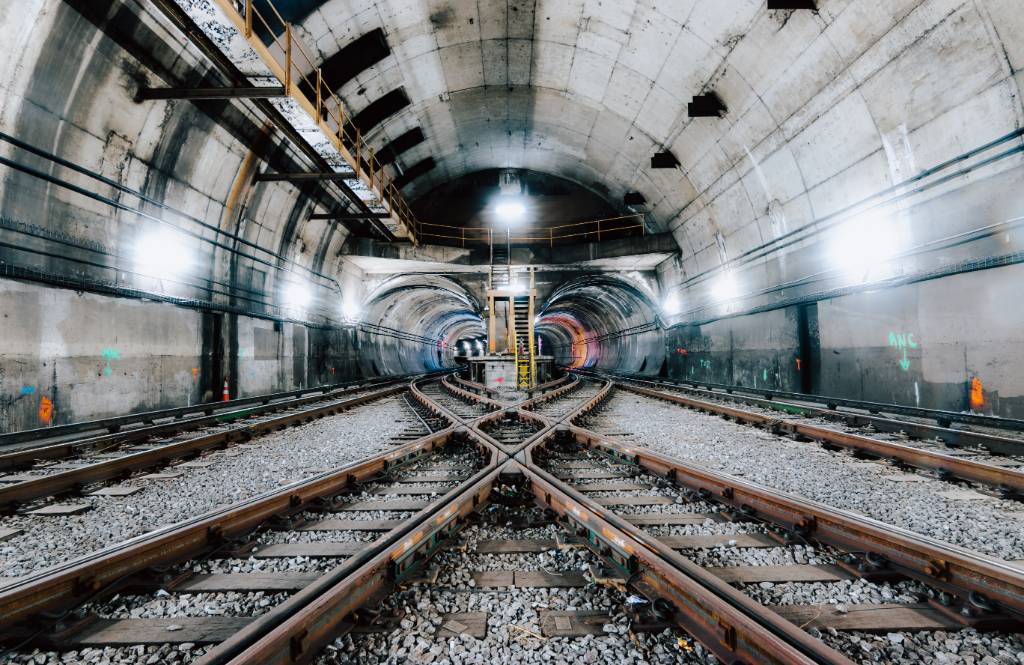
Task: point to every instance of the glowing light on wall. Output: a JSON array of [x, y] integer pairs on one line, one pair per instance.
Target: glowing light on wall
[[163, 253], [350, 309], [510, 210], [584, 352], [297, 296], [671, 305], [725, 287], [862, 243]]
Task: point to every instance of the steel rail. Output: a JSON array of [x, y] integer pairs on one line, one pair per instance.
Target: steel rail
[[479, 388], [74, 480], [730, 624], [297, 632], [553, 394], [701, 599], [731, 631], [471, 396], [941, 565], [26, 457], [951, 437], [1009, 482], [60, 587], [115, 423], [484, 390], [943, 417]]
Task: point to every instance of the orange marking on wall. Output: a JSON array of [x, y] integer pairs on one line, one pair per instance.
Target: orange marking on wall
[[45, 410], [977, 394], [798, 364]]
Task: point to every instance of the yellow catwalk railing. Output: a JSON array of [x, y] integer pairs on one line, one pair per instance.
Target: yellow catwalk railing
[[274, 40], [593, 230]]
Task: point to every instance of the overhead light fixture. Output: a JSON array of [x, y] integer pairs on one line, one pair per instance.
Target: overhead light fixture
[[163, 253], [670, 306], [350, 309], [726, 287], [863, 242], [297, 296], [510, 211]]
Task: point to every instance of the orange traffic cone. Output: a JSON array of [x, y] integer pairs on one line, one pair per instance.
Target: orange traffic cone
[[227, 395]]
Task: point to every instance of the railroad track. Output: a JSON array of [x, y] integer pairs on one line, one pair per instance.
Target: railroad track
[[649, 530], [993, 473], [178, 417], [990, 434], [79, 467]]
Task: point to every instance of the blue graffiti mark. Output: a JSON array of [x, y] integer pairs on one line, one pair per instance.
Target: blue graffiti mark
[[27, 390]]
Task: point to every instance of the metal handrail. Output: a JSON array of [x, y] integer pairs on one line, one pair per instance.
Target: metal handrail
[[324, 107], [548, 234]]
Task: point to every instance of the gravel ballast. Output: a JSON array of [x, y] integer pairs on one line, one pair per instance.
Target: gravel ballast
[[242, 472], [982, 523]]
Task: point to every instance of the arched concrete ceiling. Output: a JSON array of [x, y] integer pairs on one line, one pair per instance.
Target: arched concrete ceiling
[[823, 107], [579, 316], [436, 309]]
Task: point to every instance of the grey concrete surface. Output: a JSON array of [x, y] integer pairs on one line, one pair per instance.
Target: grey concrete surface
[[823, 109]]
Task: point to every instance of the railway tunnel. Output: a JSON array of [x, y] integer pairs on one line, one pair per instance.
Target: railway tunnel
[[704, 319]]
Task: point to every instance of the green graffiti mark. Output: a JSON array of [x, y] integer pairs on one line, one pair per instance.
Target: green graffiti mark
[[902, 342], [764, 375], [706, 364], [109, 354]]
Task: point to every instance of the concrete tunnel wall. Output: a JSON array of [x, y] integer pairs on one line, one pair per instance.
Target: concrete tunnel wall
[[926, 344], [67, 355], [856, 97], [228, 316]]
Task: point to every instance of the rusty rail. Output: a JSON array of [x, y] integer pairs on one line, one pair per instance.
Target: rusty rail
[[115, 424], [1008, 481], [728, 623], [24, 458], [941, 565], [75, 480], [1001, 445], [725, 391], [61, 587], [295, 633]]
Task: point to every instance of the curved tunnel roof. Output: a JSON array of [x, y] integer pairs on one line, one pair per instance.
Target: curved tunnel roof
[[591, 90]]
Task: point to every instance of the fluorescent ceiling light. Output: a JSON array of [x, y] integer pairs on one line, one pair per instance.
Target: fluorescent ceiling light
[[725, 287], [163, 253], [297, 295], [510, 211], [670, 306], [350, 309]]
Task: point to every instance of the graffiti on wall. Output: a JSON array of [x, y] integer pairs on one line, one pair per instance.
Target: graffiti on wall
[[109, 354], [45, 410], [977, 394], [901, 342]]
